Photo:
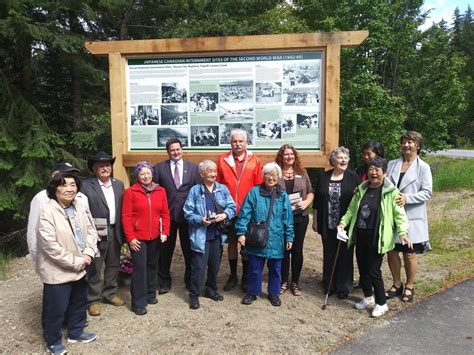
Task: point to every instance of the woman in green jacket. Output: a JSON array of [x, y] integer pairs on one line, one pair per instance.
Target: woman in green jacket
[[372, 217]]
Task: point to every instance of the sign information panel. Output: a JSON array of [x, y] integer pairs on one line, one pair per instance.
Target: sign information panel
[[275, 97]]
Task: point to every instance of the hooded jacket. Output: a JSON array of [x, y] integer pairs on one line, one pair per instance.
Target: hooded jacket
[[392, 217]]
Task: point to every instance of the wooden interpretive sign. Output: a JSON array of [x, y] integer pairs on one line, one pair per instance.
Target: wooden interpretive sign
[[278, 88]]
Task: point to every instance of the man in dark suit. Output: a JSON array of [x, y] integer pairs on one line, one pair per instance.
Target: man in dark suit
[[105, 202], [177, 176]]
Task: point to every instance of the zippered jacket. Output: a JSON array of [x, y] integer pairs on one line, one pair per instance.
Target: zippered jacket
[[141, 213], [393, 218], [239, 186], [195, 209]]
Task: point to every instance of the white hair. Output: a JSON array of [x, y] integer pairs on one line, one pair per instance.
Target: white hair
[[204, 165], [238, 132], [336, 151], [269, 167]]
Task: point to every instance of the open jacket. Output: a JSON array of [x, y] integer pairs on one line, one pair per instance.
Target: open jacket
[[280, 229], [141, 213], [195, 209], [392, 217], [59, 257], [239, 186], [417, 185]]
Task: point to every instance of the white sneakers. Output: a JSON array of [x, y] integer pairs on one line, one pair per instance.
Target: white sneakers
[[379, 310], [370, 302], [365, 302]]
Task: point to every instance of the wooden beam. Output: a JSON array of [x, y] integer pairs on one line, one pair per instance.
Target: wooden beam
[[131, 159], [331, 118], [118, 117], [203, 45]]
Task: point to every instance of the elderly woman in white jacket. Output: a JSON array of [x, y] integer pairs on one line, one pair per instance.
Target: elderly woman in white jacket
[[66, 246], [412, 176]]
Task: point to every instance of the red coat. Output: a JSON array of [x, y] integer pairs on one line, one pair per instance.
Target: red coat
[[141, 213], [239, 186]]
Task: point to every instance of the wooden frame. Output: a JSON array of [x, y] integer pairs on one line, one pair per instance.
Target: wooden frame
[[330, 43]]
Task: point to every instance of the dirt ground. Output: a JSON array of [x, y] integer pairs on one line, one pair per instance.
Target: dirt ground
[[299, 325]]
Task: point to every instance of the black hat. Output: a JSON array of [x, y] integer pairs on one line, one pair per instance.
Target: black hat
[[100, 156], [65, 167]]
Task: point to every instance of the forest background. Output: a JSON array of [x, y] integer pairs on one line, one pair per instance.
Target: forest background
[[54, 95]]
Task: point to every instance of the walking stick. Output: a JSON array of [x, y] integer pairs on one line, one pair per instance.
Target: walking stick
[[332, 276]]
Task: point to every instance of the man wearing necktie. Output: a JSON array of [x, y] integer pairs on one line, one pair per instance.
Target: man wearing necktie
[[177, 176]]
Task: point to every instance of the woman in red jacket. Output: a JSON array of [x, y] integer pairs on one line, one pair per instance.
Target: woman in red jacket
[[145, 218]]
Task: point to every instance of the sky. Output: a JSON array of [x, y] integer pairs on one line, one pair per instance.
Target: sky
[[444, 9]]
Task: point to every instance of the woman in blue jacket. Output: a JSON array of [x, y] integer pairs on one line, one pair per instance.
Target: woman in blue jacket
[[280, 234], [207, 205]]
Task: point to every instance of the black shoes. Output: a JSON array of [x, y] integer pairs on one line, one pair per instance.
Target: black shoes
[[231, 283], [194, 303], [163, 290], [139, 311], [342, 295], [248, 299], [215, 296], [274, 300], [152, 301]]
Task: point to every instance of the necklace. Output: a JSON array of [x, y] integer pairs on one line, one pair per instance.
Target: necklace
[[288, 174]]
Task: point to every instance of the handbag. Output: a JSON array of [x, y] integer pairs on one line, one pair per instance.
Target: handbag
[[257, 232]]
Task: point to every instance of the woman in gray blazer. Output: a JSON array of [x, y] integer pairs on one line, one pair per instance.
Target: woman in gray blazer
[[413, 178]]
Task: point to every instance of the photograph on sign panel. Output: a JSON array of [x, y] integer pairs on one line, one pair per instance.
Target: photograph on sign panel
[[302, 73], [235, 112], [164, 134], [145, 115], [204, 136], [236, 91], [301, 97], [174, 115], [309, 120], [173, 93], [269, 92], [289, 123], [268, 130], [204, 102], [226, 128]]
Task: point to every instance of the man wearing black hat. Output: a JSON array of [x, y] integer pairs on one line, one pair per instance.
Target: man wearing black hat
[[39, 201], [177, 176], [105, 202]]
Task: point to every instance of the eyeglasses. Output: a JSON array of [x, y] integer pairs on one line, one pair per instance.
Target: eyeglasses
[[271, 176]]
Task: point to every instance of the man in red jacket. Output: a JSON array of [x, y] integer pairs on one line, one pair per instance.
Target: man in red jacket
[[239, 170]]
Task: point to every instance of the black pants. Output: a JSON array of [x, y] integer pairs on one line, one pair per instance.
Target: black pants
[[343, 275], [295, 255], [167, 251], [145, 263], [210, 258], [67, 301], [369, 262]]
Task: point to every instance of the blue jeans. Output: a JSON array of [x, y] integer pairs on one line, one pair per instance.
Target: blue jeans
[[67, 301], [255, 274]]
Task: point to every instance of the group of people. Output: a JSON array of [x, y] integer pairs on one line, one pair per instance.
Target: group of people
[[75, 237]]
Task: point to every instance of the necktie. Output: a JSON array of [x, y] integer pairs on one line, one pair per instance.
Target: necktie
[[176, 175]]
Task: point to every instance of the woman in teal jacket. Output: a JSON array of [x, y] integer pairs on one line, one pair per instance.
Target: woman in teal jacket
[[372, 217], [280, 234], [207, 205]]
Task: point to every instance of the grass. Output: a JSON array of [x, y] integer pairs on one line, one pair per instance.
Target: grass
[[4, 265], [451, 173]]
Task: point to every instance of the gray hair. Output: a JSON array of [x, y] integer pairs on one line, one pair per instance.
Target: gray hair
[[204, 165], [336, 151], [269, 167], [238, 132]]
